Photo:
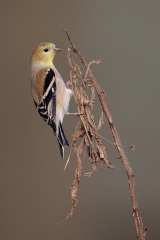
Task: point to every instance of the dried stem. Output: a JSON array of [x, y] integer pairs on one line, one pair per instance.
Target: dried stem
[[88, 130]]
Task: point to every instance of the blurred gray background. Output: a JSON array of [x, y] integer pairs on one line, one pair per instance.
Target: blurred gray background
[[35, 191]]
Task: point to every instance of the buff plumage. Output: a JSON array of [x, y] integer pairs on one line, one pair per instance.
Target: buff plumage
[[50, 94]]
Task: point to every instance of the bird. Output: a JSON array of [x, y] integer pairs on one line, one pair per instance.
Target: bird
[[50, 94]]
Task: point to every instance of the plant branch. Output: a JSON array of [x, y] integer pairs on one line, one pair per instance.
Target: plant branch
[[88, 132]]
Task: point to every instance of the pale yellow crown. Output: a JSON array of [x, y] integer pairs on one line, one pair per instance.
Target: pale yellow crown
[[44, 53]]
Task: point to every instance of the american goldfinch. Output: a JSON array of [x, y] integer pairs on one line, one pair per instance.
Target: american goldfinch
[[50, 94]]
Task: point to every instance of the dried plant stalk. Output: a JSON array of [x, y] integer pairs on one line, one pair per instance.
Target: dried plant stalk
[[88, 131]]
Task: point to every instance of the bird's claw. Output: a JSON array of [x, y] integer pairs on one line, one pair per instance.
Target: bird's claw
[[69, 83]]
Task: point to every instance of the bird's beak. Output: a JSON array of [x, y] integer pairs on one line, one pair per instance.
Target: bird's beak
[[57, 49]]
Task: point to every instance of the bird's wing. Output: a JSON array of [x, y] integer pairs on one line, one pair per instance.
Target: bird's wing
[[47, 105]]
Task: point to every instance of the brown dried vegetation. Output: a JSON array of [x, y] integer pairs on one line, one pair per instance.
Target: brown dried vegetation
[[86, 140]]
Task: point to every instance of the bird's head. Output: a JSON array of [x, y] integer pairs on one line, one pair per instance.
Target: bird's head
[[44, 53]]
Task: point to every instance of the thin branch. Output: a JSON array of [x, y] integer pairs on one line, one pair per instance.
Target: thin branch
[[79, 88]]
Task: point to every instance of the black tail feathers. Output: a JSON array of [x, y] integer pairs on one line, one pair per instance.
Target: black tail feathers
[[61, 136], [62, 140]]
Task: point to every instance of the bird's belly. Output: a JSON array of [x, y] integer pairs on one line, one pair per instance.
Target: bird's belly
[[62, 103]]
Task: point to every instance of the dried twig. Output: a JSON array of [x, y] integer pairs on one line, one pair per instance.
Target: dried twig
[[81, 84]]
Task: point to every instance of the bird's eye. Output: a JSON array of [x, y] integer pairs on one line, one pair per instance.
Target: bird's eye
[[46, 50]]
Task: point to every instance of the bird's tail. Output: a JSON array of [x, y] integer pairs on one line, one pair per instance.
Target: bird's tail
[[62, 140]]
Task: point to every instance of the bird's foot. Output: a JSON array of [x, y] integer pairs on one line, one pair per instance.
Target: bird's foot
[[69, 83]]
